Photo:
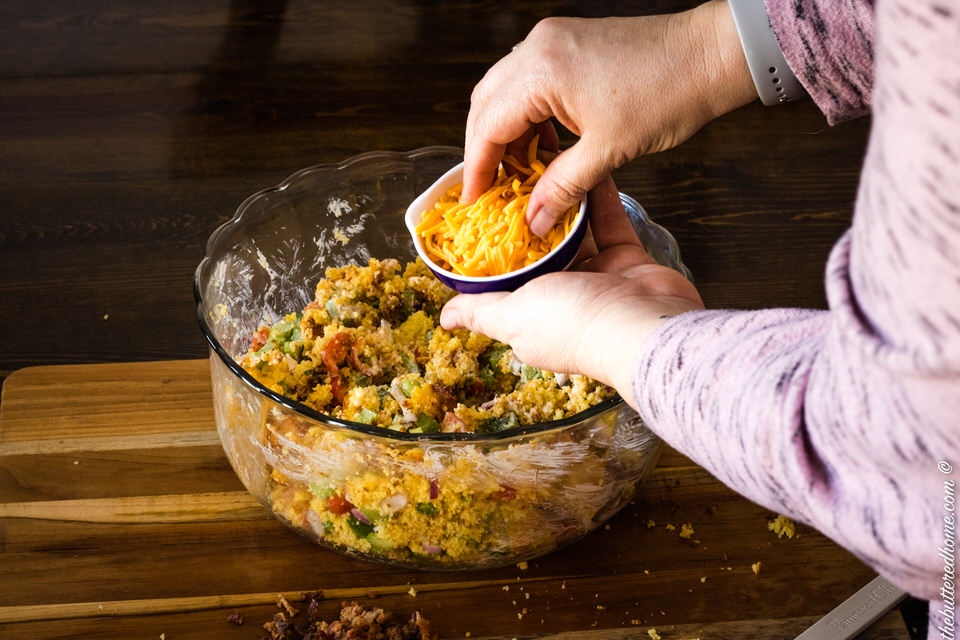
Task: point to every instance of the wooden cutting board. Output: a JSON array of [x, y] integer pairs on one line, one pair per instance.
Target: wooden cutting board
[[121, 518]]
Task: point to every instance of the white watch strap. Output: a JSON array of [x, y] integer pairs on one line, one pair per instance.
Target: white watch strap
[[775, 81]]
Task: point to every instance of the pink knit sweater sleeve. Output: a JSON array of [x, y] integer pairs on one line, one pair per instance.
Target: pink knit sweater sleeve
[[840, 418], [829, 47]]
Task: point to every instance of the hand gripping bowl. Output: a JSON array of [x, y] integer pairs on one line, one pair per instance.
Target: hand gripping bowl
[[491, 499]]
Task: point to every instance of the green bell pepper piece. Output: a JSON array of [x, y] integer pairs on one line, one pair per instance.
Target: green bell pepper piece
[[361, 529], [366, 416], [427, 423], [427, 508]]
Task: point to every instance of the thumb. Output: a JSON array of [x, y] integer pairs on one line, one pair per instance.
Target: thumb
[[476, 312], [571, 175]]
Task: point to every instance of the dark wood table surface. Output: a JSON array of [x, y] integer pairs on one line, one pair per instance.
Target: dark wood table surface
[[130, 130]]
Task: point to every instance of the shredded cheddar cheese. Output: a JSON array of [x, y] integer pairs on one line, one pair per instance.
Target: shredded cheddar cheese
[[491, 236]]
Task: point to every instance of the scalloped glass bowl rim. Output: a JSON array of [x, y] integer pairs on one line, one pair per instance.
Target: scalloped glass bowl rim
[[359, 427]]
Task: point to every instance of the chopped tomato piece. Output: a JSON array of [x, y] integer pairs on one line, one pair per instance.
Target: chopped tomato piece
[[338, 504], [506, 493], [336, 351], [260, 338], [333, 356]]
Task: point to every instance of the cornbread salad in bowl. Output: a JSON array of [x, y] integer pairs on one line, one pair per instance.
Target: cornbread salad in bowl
[[360, 423]]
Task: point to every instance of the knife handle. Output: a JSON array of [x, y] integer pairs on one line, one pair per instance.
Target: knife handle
[[857, 612]]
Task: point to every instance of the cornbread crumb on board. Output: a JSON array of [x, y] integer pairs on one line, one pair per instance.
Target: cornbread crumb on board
[[782, 526], [354, 621], [282, 603], [756, 567], [652, 632], [686, 530]]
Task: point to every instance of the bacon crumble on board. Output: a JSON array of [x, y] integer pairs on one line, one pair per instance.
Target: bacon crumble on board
[[354, 622]]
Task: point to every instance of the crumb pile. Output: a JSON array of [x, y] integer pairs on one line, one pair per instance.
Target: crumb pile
[[355, 623]]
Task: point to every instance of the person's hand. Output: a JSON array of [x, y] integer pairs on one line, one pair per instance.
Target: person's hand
[[626, 86], [591, 320]]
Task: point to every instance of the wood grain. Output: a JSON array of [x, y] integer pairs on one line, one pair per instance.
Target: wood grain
[[101, 539], [181, 508], [212, 624]]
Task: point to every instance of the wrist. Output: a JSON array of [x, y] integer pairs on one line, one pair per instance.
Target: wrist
[[621, 333], [726, 82]]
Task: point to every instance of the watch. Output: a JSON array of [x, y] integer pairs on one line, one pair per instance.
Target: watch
[[771, 74]]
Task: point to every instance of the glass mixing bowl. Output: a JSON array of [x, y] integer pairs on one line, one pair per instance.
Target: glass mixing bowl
[[445, 500]]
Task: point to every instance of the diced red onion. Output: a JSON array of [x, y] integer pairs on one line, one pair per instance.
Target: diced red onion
[[434, 489], [359, 516], [486, 406], [432, 549]]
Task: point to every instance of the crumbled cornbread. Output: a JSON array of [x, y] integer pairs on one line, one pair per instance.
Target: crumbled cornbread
[[782, 526], [369, 349]]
